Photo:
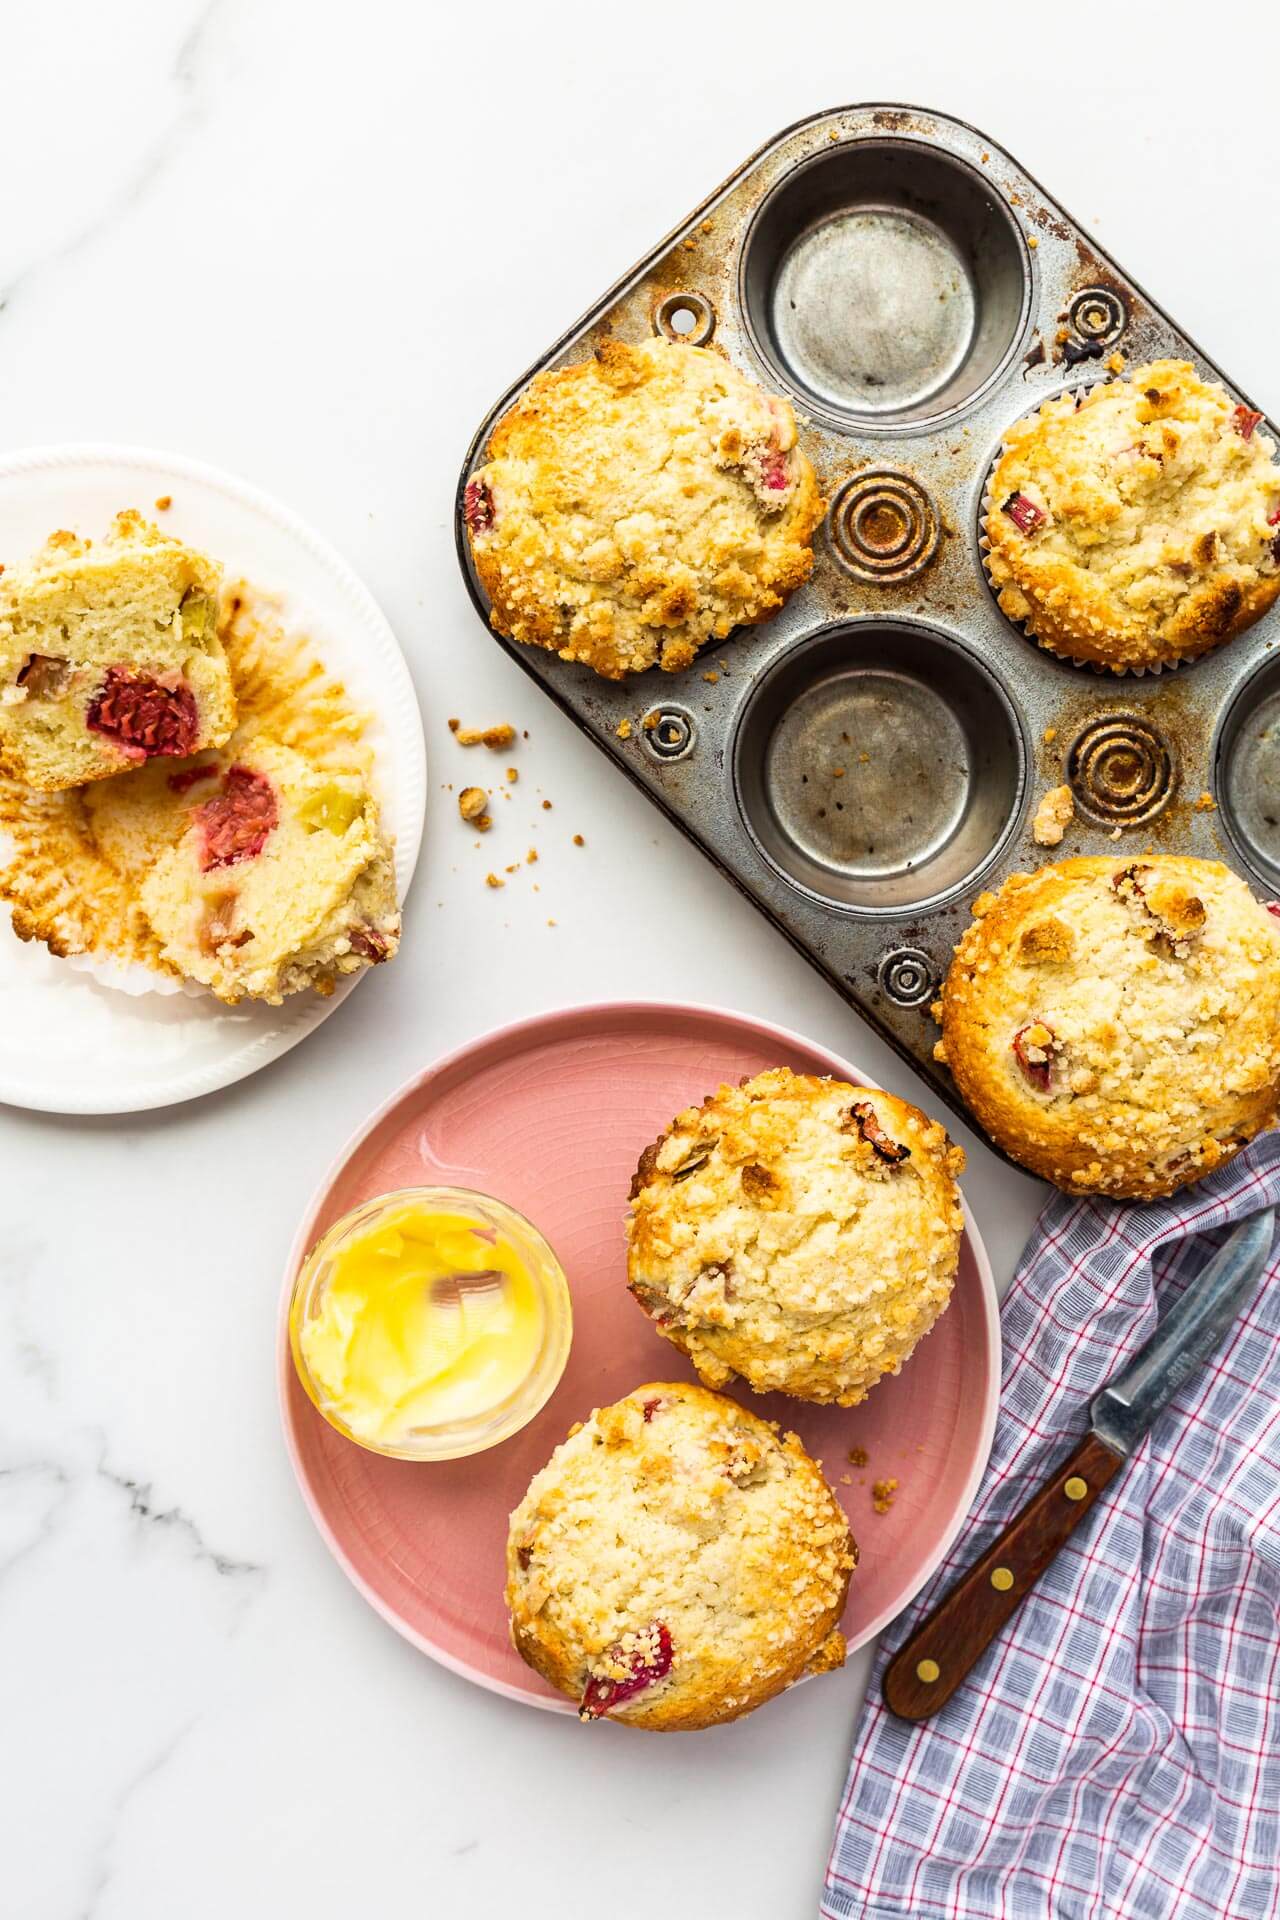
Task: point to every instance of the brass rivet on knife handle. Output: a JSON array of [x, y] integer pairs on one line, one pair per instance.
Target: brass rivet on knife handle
[[962, 1626]]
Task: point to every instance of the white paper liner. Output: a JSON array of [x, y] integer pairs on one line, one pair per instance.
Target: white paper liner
[[133, 977]]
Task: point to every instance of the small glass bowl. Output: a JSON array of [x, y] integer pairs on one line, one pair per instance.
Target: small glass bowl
[[452, 1439]]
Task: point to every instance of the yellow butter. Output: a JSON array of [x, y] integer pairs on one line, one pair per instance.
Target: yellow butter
[[422, 1319]]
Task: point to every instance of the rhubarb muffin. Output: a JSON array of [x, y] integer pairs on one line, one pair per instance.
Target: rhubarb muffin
[[109, 656], [281, 879], [639, 505], [677, 1562], [1115, 1024], [800, 1232], [1139, 524]]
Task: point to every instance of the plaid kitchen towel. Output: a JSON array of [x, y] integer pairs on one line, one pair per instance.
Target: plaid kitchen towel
[[1115, 1755]]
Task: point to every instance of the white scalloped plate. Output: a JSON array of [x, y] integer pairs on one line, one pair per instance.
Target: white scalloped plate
[[69, 1044]]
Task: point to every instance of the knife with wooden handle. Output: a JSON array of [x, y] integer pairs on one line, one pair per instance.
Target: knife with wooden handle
[[926, 1671]]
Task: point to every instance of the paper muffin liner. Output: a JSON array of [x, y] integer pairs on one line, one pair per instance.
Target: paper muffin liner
[[62, 888], [984, 547]]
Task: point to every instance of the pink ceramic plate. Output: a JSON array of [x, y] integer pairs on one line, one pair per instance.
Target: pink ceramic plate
[[551, 1115]]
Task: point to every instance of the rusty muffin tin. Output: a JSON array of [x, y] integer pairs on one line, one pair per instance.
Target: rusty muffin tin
[[866, 762]]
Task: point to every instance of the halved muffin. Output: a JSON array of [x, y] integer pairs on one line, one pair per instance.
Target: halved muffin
[[110, 656], [282, 879]]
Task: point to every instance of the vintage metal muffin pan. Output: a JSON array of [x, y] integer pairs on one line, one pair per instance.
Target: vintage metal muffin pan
[[868, 761]]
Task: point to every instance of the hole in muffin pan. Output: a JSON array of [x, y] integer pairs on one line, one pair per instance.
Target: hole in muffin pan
[[885, 283], [672, 734], [1247, 774], [688, 317], [879, 766], [906, 975]]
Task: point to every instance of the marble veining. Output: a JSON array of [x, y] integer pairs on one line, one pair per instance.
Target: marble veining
[[310, 244]]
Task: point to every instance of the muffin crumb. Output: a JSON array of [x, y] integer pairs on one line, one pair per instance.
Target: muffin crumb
[[883, 1493], [492, 737], [1053, 816]]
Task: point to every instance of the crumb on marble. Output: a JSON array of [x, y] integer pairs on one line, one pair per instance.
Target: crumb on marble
[[495, 737]]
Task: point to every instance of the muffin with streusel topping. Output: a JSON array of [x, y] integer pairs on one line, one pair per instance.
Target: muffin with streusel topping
[[677, 1562], [1138, 525], [798, 1231], [1115, 1024], [639, 505]]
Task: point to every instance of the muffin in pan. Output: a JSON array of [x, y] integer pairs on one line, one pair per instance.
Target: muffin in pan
[[798, 1231], [1138, 524], [677, 1562], [1115, 1024], [109, 656], [639, 505]]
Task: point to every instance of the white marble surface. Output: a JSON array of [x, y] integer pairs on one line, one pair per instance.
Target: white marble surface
[[310, 244]]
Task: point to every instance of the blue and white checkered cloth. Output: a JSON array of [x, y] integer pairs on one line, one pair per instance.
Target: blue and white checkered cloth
[[1115, 1755]]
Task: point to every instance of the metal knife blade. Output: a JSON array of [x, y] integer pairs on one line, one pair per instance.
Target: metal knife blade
[[1194, 1327]]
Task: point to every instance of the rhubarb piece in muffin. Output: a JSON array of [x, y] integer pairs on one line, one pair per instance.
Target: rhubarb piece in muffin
[[1139, 525], [677, 1562], [109, 656], [800, 1232], [637, 506], [1115, 1024], [282, 879]]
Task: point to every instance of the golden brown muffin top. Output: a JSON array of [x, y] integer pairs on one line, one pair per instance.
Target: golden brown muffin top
[[1136, 525], [677, 1562], [799, 1231], [639, 505], [1115, 1023]]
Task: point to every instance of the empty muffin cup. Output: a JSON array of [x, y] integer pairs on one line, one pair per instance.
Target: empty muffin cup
[[1247, 774], [879, 766], [885, 283]]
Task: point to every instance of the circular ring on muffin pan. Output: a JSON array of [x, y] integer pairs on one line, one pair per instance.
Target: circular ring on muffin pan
[[672, 734], [885, 284], [906, 975], [1121, 769], [1246, 776], [879, 766], [688, 318], [1098, 315], [883, 527]]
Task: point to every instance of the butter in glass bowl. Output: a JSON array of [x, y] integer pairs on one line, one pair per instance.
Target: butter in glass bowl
[[430, 1323]]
